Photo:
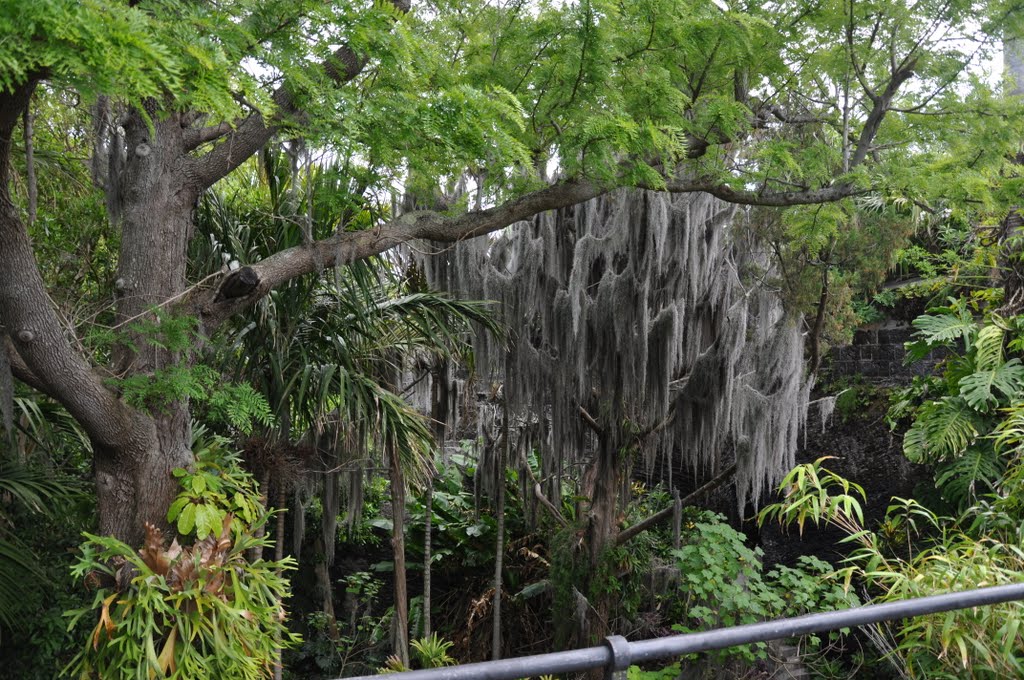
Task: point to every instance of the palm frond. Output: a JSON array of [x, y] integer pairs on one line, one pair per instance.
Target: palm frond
[[33, 489]]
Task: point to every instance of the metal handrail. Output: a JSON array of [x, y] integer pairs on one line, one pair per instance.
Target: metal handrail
[[618, 653]]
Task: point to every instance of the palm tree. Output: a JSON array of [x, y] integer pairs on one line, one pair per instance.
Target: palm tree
[[37, 431], [331, 353]]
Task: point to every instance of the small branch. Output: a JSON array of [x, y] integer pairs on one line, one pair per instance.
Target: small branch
[[252, 133], [643, 525], [589, 420], [168, 301], [196, 137], [881, 104], [18, 367], [549, 505]]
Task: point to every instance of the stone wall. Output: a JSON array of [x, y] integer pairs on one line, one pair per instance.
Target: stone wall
[[878, 352]]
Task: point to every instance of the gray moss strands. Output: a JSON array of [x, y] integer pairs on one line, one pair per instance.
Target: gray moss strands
[[638, 307]]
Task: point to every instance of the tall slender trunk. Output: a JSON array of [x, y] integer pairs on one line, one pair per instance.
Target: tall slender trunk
[[499, 552], [602, 481], [256, 553], [400, 623], [282, 501], [437, 414], [427, 543], [819, 324], [603, 490]]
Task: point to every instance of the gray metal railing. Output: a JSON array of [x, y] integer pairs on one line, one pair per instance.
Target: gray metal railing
[[618, 653]]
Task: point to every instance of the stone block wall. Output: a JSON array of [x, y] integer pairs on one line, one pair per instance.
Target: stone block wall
[[878, 352]]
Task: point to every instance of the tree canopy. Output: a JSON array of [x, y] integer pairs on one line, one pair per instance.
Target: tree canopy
[[849, 123]]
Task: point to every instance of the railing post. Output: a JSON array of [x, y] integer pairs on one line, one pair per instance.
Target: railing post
[[618, 665]]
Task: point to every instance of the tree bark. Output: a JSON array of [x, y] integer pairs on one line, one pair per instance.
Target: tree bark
[[499, 552], [601, 484], [400, 623], [814, 362], [30, 166], [155, 205]]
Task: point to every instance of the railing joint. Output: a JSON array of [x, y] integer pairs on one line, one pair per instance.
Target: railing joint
[[619, 663]]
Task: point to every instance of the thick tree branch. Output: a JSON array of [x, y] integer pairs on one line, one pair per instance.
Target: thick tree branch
[[50, 363], [589, 420], [195, 137], [347, 247], [776, 199], [18, 368], [643, 525], [880, 107], [251, 134], [42, 356]]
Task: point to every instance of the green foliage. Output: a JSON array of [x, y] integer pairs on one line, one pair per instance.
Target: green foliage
[[94, 47], [216, 487], [918, 553], [429, 652], [955, 418], [670, 672], [432, 652], [335, 648], [237, 405], [722, 583], [44, 507], [198, 611], [462, 534], [810, 492], [323, 351], [32, 490]]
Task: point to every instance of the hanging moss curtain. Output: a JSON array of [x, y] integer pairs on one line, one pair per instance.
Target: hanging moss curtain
[[641, 308]]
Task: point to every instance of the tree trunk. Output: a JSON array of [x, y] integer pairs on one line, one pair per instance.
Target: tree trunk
[[282, 501], [601, 483], [428, 526], [30, 166], [134, 484], [323, 585], [155, 202], [819, 324], [499, 552], [438, 402], [256, 552], [400, 623]]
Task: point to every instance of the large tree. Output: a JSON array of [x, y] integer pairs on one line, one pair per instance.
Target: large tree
[[778, 104]]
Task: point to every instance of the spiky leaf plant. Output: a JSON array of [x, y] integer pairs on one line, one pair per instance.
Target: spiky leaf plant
[[195, 611]]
